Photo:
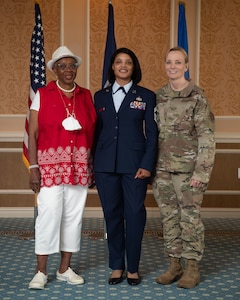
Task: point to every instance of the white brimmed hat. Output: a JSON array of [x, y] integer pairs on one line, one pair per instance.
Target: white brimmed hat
[[62, 52]]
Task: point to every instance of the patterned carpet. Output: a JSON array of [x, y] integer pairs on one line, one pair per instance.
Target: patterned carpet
[[220, 267]]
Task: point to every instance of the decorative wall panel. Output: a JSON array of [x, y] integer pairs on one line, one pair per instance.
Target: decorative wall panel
[[219, 55], [17, 19], [141, 25]]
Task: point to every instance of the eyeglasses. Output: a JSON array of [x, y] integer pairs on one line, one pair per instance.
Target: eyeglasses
[[63, 67]]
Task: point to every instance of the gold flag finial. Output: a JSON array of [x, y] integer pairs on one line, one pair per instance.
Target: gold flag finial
[[39, 2]]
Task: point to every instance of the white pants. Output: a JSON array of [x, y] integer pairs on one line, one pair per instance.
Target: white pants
[[59, 221]]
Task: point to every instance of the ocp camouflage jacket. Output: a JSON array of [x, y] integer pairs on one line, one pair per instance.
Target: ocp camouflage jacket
[[186, 132]]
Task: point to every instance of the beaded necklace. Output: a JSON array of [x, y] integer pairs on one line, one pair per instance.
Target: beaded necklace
[[66, 91]]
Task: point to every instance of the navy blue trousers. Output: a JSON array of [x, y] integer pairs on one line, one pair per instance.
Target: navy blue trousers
[[122, 198]]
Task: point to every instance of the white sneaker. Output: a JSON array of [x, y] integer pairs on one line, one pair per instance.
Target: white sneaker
[[70, 276], [38, 282]]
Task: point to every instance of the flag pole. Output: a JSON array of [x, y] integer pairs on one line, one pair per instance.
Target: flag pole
[[37, 80], [110, 48]]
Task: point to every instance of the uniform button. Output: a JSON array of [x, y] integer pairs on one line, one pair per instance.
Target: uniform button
[[115, 138], [116, 127]]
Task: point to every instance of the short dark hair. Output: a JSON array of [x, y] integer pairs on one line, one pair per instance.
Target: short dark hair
[[137, 73]]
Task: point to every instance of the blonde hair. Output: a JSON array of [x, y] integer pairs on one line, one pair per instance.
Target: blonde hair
[[177, 48]]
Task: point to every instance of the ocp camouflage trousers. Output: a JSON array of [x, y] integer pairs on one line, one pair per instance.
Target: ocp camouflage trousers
[[179, 203]]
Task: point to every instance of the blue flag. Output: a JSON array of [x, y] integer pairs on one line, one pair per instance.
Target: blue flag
[[110, 45], [182, 32]]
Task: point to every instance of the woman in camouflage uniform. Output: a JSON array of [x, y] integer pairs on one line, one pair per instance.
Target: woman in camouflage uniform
[[185, 161]]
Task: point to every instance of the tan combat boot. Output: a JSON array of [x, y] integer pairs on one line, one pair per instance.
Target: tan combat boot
[[191, 276], [173, 273]]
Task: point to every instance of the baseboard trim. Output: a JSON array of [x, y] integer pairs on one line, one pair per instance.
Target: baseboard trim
[[96, 212], [206, 212]]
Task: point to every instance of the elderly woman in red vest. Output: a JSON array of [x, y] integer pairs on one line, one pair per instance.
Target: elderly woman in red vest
[[61, 129]]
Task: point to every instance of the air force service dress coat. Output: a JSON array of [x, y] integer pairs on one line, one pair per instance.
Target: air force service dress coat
[[121, 145]]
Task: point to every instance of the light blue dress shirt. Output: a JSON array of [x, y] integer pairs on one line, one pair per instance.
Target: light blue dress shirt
[[119, 95]]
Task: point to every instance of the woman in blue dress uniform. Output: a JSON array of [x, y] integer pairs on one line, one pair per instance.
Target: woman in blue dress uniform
[[124, 158]]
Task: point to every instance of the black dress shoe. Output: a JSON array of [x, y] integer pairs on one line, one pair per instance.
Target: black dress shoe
[[115, 280], [134, 281]]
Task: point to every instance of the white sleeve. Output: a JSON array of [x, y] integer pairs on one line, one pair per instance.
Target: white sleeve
[[36, 102]]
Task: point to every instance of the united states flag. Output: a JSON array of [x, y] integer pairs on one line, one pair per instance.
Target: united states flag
[[37, 71]]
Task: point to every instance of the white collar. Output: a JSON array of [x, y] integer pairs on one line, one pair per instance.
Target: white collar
[[126, 86]]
